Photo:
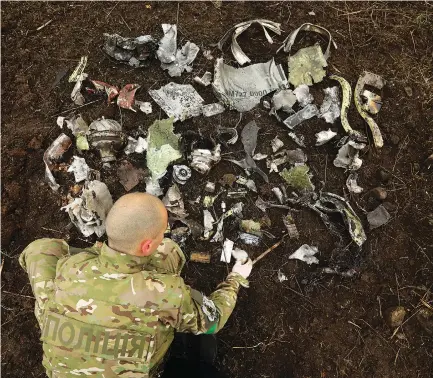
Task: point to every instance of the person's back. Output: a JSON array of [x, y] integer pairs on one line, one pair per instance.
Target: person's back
[[106, 313]]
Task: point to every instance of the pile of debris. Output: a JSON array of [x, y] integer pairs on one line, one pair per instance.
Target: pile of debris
[[236, 88]]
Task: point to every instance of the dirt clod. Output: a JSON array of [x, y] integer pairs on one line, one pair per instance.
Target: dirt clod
[[384, 175], [378, 193], [394, 316]]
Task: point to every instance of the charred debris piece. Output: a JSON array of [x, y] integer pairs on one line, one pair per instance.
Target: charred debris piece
[[136, 52]]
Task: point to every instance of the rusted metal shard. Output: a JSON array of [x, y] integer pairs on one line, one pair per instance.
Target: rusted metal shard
[[200, 257]]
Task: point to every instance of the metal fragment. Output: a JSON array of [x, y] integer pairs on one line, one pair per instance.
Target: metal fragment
[[303, 95], [226, 253], [276, 144], [345, 103], [53, 155], [107, 137], [279, 194], [352, 185], [88, 213], [163, 148], [330, 108], [298, 178], [371, 79], [166, 52], [76, 94], [183, 60], [205, 80], [264, 205], [80, 169], [238, 29], [145, 107], [291, 226], [373, 102], [210, 187], [180, 101], [340, 205], [129, 176], [203, 160], [304, 114], [299, 140], [324, 136], [135, 145], [210, 110], [103, 88], [348, 154], [208, 221], [290, 40], [307, 66], [237, 193], [231, 131], [174, 203], [286, 156], [181, 174], [242, 88], [78, 71], [126, 98], [378, 217], [137, 52], [306, 253], [250, 184], [281, 276], [259, 156], [249, 239], [284, 100]]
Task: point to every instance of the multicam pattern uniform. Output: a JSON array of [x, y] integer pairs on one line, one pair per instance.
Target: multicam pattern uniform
[[107, 314]]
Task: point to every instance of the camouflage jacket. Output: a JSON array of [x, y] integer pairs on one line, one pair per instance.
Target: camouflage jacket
[[109, 314]]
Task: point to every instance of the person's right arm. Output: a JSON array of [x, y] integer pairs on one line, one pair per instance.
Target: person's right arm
[[201, 314]]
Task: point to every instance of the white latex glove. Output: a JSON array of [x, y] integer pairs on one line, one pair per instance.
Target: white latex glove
[[243, 269]]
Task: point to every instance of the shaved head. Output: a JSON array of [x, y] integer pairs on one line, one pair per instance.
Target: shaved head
[[134, 218]]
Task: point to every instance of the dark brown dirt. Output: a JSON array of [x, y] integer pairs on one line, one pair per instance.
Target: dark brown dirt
[[318, 325]]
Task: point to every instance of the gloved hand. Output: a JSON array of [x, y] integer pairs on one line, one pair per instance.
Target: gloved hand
[[243, 269]]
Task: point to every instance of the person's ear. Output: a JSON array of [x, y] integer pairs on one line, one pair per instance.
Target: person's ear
[[145, 247]]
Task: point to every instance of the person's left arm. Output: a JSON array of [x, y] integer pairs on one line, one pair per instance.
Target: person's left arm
[[39, 260]]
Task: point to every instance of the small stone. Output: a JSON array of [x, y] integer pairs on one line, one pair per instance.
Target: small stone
[[394, 316], [408, 91], [35, 144], [389, 206], [378, 193], [416, 167], [395, 139], [384, 175]]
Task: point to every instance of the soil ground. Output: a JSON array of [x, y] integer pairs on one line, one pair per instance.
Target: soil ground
[[314, 324]]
